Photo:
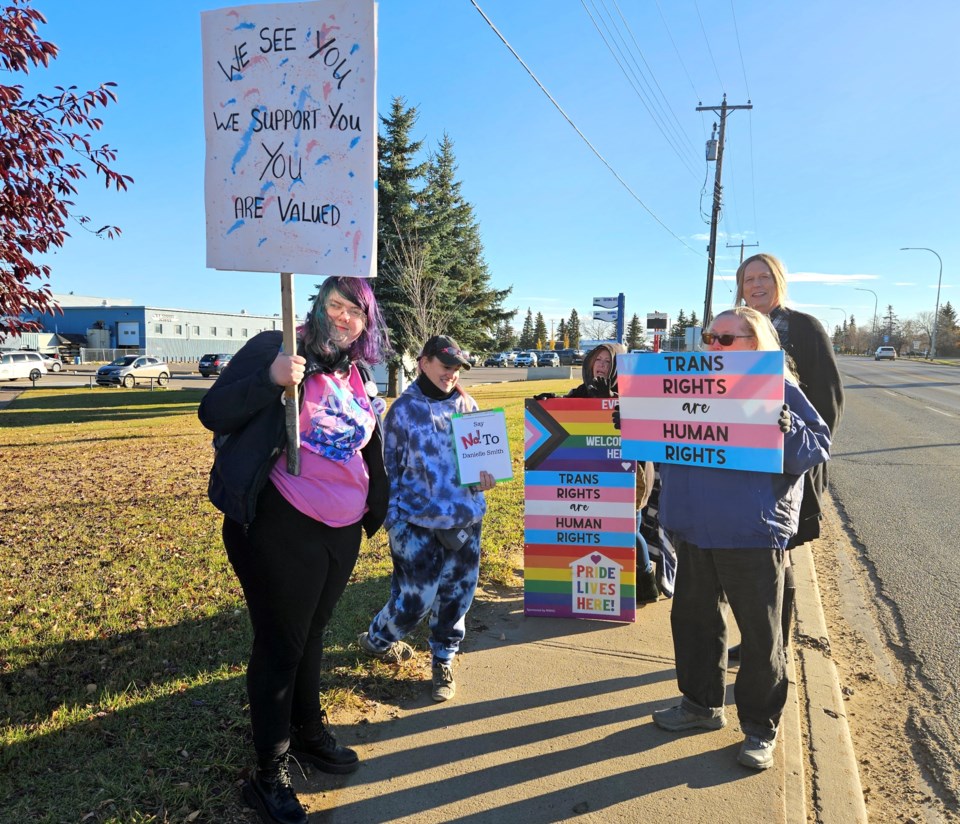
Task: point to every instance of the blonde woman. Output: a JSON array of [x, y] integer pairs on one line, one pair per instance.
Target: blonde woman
[[730, 529]]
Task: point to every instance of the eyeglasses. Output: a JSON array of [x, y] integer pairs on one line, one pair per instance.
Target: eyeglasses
[[724, 340], [337, 307]]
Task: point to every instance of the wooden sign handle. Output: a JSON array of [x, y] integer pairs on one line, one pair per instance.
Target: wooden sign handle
[[290, 347]]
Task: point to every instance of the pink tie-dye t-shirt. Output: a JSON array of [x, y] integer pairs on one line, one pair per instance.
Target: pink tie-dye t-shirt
[[336, 421]]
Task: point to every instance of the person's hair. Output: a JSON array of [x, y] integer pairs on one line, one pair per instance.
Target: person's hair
[[762, 328], [373, 345], [777, 269]]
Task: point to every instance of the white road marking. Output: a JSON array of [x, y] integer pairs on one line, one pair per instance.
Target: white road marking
[[940, 411]]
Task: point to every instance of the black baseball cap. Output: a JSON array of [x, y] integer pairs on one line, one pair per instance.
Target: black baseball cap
[[446, 350]]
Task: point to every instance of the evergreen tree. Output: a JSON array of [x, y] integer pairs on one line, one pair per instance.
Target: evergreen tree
[[560, 342], [506, 336], [540, 334], [948, 332], [456, 252], [573, 329], [694, 320], [681, 323], [398, 220], [635, 334], [526, 333]]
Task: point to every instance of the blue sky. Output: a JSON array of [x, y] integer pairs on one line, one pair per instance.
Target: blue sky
[[847, 155]]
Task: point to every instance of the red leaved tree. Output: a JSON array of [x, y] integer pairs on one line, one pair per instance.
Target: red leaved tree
[[45, 149]]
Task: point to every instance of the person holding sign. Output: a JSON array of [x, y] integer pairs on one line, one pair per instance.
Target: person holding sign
[[433, 521], [762, 285], [293, 540], [730, 529], [600, 381]]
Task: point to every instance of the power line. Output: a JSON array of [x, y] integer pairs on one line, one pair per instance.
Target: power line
[[647, 103], [583, 137], [654, 78], [737, 31], [682, 64], [707, 41]]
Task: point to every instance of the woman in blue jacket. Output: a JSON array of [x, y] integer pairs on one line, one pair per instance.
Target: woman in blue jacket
[[730, 529]]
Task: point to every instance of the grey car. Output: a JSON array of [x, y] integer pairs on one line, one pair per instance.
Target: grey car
[[129, 370]]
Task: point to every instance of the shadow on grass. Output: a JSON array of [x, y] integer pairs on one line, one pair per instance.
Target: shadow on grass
[[152, 724], [79, 406]]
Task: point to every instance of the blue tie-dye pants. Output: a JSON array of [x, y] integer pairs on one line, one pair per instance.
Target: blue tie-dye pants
[[428, 578]]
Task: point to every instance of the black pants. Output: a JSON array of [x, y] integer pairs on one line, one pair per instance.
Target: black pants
[[750, 581], [293, 571]]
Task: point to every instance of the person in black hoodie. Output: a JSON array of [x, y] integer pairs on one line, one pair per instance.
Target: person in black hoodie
[[293, 540], [600, 381]]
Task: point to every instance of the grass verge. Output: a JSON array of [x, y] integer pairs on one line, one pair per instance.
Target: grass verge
[[123, 632]]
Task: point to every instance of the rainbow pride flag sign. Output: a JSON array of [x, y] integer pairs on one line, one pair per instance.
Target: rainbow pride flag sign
[[716, 409], [579, 552]]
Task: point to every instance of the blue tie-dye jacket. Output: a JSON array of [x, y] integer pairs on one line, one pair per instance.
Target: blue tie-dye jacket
[[421, 465]]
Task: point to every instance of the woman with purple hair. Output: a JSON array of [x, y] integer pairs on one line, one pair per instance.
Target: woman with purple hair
[[293, 540]]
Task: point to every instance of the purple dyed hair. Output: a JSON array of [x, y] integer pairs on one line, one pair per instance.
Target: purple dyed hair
[[373, 345]]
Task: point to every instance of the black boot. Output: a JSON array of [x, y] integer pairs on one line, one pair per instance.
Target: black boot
[[647, 590], [271, 794], [315, 743]]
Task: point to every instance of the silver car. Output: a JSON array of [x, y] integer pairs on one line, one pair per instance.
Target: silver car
[[129, 370]]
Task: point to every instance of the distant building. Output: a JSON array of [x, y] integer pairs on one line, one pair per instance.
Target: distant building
[[171, 334]]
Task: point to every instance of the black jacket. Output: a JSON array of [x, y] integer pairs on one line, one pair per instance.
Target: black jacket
[[245, 405], [820, 380]]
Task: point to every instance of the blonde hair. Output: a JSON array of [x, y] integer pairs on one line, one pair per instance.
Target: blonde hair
[[777, 269], [763, 330]]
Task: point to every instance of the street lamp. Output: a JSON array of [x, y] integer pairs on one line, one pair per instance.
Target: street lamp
[[936, 311], [859, 289]]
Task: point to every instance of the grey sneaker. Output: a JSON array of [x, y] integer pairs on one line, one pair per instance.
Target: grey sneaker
[[677, 719], [396, 653], [444, 687], [757, 753]]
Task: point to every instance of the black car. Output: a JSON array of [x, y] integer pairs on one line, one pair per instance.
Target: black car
[[213, 364]]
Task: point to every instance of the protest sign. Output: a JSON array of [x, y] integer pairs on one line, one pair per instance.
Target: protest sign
[[480, 444], [291, 137], [579, 512], [716, 409]]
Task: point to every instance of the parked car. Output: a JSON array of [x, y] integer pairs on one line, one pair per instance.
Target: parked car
[[129, 370], [52, 362], [571, 357], [527, 359], [492, 360], [15, 365], [505, 359], [213, 364], [885, 353], [548, 359]]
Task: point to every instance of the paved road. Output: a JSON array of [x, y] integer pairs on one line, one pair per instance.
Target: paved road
[[896, 472]]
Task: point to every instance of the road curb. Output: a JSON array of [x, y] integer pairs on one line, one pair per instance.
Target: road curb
[[837, 792]]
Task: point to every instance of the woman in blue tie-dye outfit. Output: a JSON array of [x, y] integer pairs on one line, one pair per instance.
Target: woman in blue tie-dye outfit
[[433, 521]]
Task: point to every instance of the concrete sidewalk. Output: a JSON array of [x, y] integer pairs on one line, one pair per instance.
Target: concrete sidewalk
[[552, 722]]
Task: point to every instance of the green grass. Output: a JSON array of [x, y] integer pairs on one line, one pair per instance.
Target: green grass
[[123, 632]]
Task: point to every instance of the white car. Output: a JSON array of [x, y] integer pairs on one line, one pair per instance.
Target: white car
[[53, 364], [14, 365], [526, 359], [885, 353]]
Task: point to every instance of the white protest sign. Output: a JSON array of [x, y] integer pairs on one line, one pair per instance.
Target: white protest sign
[[480, 444], [289, 96]]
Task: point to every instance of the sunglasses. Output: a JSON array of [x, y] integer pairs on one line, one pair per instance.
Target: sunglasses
[[724, 340]]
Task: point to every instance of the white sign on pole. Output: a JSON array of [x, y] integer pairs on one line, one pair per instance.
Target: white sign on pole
[[289, 95], [610, 317], [606, 303]]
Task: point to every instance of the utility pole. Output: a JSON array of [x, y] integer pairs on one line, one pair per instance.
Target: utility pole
[[741, 244], [721, 110]]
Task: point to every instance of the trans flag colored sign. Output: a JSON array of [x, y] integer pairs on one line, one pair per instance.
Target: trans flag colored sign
[[579, 512], [716, 409]]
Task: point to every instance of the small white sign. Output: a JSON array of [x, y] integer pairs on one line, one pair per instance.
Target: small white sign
[[480, 444]]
